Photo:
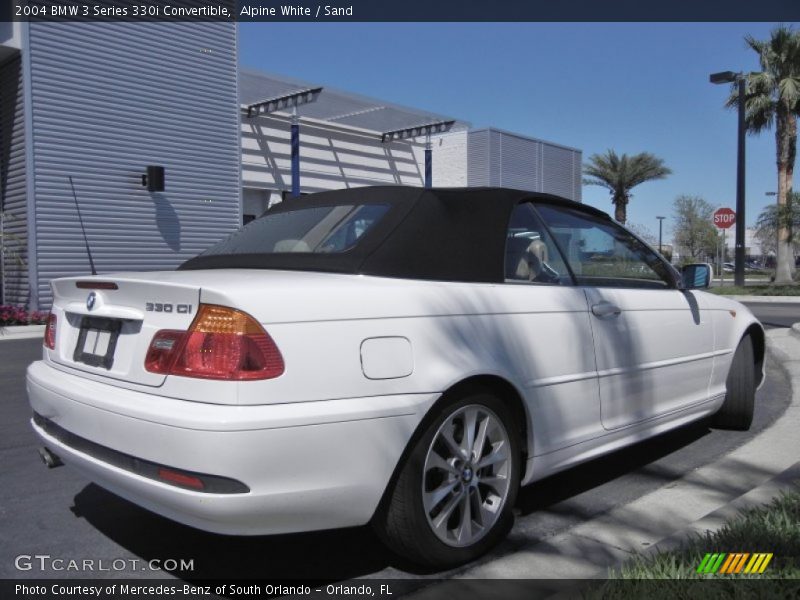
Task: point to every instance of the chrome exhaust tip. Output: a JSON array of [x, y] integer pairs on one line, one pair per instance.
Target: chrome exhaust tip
[[50, 460]]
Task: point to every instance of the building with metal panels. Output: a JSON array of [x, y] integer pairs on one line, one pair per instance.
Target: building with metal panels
[[86, 108], [349, 140], [342, 140], [146, 142]]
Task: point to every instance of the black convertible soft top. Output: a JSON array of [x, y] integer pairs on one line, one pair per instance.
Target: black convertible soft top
[[447, 234]]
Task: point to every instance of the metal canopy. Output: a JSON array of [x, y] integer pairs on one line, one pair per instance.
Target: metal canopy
[[295, 99], [419, 130], [337, 107]]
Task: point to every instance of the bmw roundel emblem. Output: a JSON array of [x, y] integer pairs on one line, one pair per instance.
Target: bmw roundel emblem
[[90, 301]]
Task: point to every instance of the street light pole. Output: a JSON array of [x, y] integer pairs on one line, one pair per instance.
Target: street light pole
[[660, 223], [739, 79]]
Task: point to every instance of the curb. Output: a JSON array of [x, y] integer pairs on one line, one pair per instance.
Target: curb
[[755, 498], [21, 332], [764, 299]]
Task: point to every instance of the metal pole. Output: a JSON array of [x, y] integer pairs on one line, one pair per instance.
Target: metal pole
[[295, 155], [740, 217], [428, 162], [2, 258], [722, 262], [660, 223]]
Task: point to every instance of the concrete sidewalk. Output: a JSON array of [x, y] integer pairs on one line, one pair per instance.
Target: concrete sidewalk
[[703, 500], [21, 332]]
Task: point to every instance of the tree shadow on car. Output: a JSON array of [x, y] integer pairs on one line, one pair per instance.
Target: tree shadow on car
[[650, 463]]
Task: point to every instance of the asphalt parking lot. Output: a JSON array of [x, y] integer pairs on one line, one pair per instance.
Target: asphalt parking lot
[[775, 314], [59, 513]]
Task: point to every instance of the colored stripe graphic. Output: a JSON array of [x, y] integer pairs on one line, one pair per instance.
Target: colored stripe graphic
[[739, 564], [726, 566], [734, 563], [704, 563], [711, 562], [712, 568], [758, 563]]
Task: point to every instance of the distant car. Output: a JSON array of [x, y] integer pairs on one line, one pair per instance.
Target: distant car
[[391, 355], [749, 266]]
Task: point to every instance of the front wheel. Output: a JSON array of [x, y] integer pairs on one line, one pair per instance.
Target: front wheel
[[737, 410], [453, 497]]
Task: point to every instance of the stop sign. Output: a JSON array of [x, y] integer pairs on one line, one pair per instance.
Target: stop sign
[[724, 218]]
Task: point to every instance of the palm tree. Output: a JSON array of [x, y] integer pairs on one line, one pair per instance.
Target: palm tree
[[773, 96], [620, 174], [772, 218]]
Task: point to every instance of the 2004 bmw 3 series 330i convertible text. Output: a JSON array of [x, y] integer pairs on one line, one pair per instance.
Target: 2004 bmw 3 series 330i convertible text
[[391, 355]]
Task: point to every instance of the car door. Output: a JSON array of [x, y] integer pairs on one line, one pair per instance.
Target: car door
[[549, 316], [653, 342]]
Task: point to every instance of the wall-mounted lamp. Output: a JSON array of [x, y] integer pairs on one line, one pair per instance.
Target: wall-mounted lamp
[[153, 180]]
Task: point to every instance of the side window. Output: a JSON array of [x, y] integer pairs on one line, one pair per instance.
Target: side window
[[601, 253], [531, 255]]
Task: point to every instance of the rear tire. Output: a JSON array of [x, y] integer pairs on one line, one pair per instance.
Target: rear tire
[[737, 410], [453, 497]]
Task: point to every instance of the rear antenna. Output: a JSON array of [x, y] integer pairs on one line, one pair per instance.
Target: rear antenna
[[83, 229]]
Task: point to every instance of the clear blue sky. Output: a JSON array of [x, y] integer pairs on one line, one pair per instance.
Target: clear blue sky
[[631, 87]]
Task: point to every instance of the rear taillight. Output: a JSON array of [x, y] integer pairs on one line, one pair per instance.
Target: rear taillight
[[222, 343], [162, 351], [50, 332]]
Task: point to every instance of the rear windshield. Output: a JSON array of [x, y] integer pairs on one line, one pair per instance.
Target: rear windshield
[[322, 230]]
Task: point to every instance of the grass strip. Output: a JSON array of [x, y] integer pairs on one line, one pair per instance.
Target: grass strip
[[773, 528]]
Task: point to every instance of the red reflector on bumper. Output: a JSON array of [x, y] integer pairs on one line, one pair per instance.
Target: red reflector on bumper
[[181, 479]]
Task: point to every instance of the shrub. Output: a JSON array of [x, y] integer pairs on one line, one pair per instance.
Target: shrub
[[16, 315]]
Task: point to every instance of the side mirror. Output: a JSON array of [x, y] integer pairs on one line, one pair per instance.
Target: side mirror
[[696, 276]]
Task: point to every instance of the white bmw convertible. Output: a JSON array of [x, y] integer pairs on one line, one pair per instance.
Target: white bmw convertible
[[391, 355]]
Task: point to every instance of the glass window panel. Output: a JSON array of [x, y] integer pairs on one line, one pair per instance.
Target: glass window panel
[[321, 229], [604, 254], [531, 255]]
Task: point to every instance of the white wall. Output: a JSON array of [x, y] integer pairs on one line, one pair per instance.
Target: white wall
[[449, 159], [330, 157], [751, 243], [506, 159], [11, 34]]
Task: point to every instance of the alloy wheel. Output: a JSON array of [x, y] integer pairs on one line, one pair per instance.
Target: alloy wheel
[[466, 477]]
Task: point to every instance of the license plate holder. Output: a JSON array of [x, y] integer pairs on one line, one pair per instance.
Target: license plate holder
[[97, 341]]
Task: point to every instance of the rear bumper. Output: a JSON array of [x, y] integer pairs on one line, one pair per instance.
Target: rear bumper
[[311, 465]]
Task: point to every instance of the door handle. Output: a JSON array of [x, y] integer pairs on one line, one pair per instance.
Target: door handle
[[605, 309]]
